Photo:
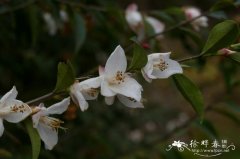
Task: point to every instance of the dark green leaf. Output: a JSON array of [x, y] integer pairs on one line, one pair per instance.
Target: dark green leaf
[[222, 35], [35, 139], [222, 4], [79, 31], [139, 58], [219, 15], [207, 127], [65, 77], [163, 16], [191, 93]]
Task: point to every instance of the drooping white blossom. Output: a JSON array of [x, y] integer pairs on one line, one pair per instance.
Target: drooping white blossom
[[85, 90], [115, 81], [157, 26], [136, 22], [47, 126], [11, 109], [159, 65], [193, 12], [51, 24]]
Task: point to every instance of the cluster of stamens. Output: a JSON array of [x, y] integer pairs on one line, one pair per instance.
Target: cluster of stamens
[[54, 123], [118, 79], [162, 65], [18, 108], [92, 92]]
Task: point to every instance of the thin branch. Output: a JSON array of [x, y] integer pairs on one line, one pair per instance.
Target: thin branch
[[185, 22], [190, 58], [41, 98]]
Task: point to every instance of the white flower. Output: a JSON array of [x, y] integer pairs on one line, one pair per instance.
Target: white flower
[[157, 26], [12, 109], [50, 23], [63, 15], [46, 126], [133, 16], [85, 90], [114, 81], [136, 23], [193, 12], [159, 65]]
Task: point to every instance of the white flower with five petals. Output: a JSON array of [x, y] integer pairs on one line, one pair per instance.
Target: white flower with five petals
[[159, 65], [193, 12], [11, 109], [46, 126], [85, 90], [114, 81]]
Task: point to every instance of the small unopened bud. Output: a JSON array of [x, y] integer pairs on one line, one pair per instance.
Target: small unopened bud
[[226, 52], [145, 45]]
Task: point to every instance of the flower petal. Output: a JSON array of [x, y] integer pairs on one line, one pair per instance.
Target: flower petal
[[90, 83], [105, 90], [116, 62], [1, 127], [48, 135], [130, 88], [145, 76], [17, 111], [35, 119], [89, 88], [109, 100], [79, 100], [12, 94], [173, 68], [158, 26], [59, 108], [90, 94], [156, 56], [131, 103]]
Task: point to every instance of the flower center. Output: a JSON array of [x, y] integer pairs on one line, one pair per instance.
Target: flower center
[[92, 92], [18, 108], [161, 65], [54, 123], [118, 78]]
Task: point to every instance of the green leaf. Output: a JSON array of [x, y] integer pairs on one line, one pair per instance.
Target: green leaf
[[190, 92], [139, 58], [207, 127], [219, 15], [79, 31], [222, 4], [221, 36], [235, 57], [35, 139], [65, 76]]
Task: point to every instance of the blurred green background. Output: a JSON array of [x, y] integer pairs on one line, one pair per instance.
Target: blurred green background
[[29, 56]]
